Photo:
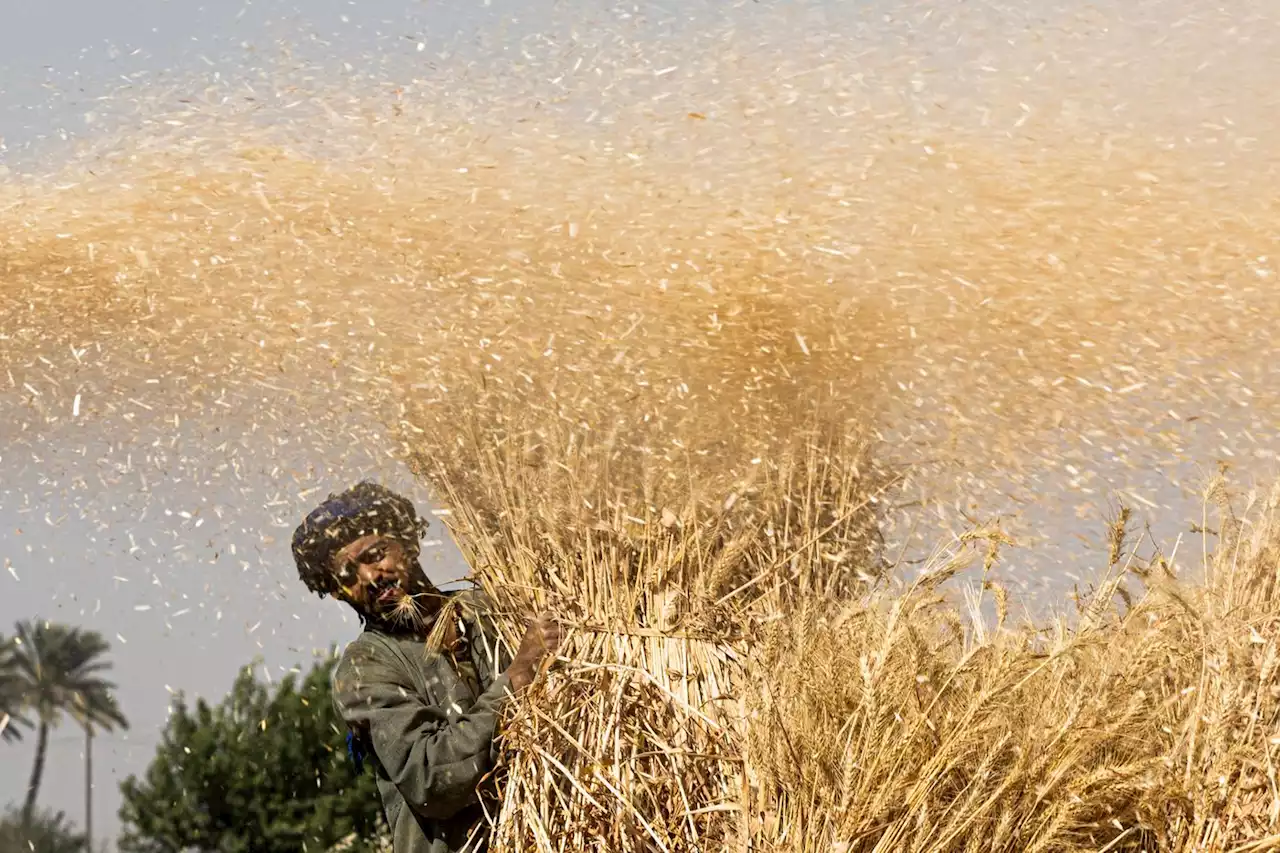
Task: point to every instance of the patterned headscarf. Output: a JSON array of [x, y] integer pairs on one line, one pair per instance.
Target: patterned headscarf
[[363, 509]]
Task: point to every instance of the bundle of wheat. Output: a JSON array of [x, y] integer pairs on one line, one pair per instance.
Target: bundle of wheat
[[735, 679], [635, 739]]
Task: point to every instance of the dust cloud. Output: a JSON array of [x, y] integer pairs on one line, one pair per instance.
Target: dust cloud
[[1036, 251]]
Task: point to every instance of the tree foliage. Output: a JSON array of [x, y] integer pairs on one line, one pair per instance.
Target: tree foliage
[[49, 832], [266, 770]]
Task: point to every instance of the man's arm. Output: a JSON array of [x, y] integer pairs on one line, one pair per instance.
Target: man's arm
[[434, 763]]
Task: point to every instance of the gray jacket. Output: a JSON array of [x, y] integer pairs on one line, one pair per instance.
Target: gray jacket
[[428, 729]]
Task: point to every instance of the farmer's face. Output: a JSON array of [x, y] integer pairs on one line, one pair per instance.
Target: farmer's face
[[376, 573]]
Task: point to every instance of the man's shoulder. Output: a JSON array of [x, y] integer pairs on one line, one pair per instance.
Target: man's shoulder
[[365, 650], [365, 643], [367, 668]]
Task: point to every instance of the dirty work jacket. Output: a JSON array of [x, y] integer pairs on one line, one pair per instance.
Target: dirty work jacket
[[428, 731]]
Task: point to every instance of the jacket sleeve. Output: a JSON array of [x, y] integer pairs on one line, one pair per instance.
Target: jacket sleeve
[[434, 763]]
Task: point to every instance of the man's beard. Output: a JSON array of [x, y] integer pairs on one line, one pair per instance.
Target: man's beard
[[411, 612]]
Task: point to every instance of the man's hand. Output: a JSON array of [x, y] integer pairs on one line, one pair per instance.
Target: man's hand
[[542, 639]]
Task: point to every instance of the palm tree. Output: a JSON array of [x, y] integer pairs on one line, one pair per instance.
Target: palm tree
[[60, 668]]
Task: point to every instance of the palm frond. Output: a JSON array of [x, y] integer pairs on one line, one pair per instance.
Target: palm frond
[[56, 669]]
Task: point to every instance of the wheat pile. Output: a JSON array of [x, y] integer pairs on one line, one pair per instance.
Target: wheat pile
[[748, 668], [745, 671]]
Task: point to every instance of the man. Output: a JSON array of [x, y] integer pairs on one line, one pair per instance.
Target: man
[[422, 687]]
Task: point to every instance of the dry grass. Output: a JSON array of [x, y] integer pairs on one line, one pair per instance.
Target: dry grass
[[726, 685], [745, 671], [1148, 725]]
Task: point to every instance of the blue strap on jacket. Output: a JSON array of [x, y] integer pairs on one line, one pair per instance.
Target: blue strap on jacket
[[355, 749]]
